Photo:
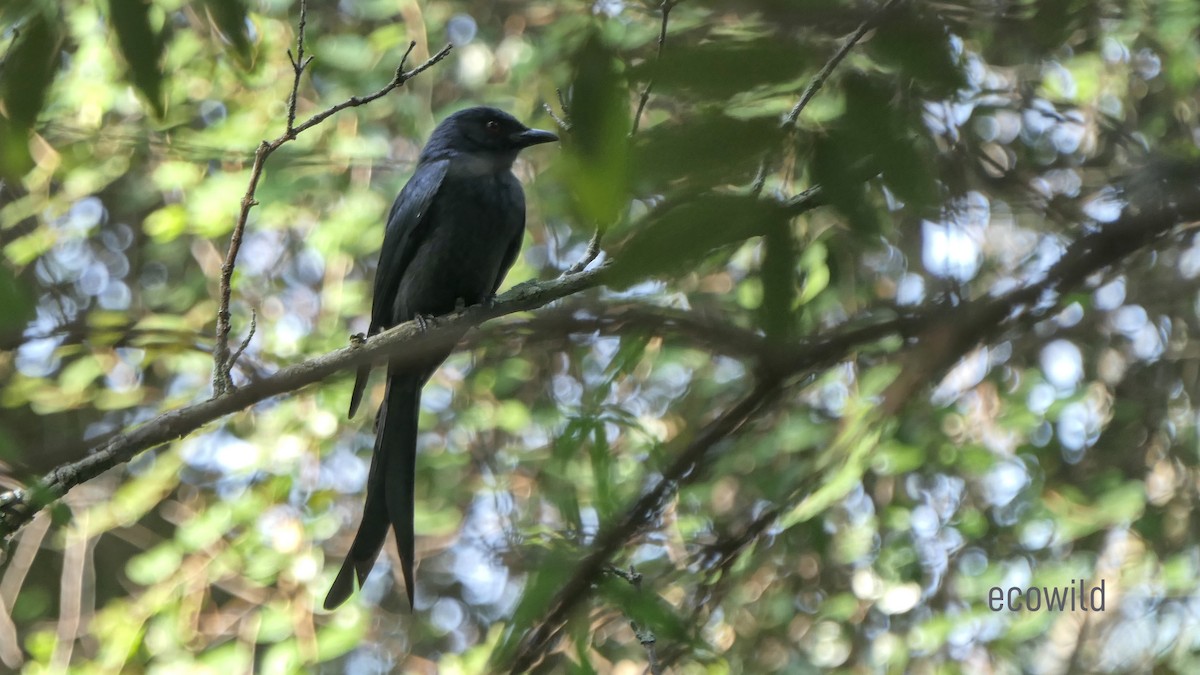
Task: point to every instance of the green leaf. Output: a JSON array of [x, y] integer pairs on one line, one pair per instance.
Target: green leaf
[[842, 183], [539, 591], [29, 68], [606, 501], [140, 46], [1054, 22], [702, 150], [27, 73], [918, 44], [154, 565], [720, 69], [646, 608], [889, 134], [778, 281], [875, 136], [229, 18], [675, 237], [16, 305], [597, 149]]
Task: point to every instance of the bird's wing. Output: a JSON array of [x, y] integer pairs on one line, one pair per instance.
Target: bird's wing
[[406, 227], [517, 227]]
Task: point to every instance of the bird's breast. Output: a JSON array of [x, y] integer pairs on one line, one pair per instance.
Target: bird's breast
[[474, 221]]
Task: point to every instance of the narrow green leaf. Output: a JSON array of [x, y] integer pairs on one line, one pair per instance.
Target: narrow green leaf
[[720, 69], [702, 150], [29, 69], [675, 237], [778, 280], [229, 18], [141, 48], [836, 167], [539, 590], [28, 72], [645, 607], [602, 470], [16, 304], [597, 149], [918, 45]]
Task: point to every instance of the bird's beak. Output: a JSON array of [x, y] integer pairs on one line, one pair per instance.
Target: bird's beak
[[524, 139]]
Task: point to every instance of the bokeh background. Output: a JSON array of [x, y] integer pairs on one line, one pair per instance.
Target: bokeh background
[[960, 147]]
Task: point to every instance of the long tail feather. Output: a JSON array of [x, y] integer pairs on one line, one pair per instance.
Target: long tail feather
[[398, 438], [390, 487], [360, 385]]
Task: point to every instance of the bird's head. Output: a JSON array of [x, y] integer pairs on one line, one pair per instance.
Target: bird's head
[[486, 135]]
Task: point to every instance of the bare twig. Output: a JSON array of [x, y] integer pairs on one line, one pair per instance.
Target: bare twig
[[223, 360], [593, 250], [822, 75], [562, 103], [299, 63], [644, 635], [648, 640], [666, 7], [563, 122], [245, 343], [760, 178], [631, 575]]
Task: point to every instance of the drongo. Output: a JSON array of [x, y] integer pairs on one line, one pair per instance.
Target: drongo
[[452, 234]]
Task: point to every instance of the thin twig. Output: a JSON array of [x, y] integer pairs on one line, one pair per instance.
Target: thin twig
[[562, 123], [562, 102], [644, 635], [631, 575], [648, 640], [593, 250], [299, 63], [245, 343], [760, 178], [818, 80], [222, 362], [666, 8]]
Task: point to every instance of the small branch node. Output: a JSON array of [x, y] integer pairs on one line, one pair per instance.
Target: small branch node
[[245, 343], [592, 252]]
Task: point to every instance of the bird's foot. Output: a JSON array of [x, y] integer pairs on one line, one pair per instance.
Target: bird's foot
[[424, 322], [460, 304], [358, 340]]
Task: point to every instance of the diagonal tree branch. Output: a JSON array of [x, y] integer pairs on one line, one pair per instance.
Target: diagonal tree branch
[[642, 514], [404, 344], [943, 338], [818, 80]]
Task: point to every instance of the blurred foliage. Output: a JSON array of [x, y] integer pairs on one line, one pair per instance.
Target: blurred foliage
[[959, 148]]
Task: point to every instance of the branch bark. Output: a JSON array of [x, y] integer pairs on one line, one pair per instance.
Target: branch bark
[[403, 344]]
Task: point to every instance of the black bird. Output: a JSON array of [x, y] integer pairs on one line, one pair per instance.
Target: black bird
[[452, 234]]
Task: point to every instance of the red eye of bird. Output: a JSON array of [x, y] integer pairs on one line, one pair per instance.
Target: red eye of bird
[[492, 126]]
